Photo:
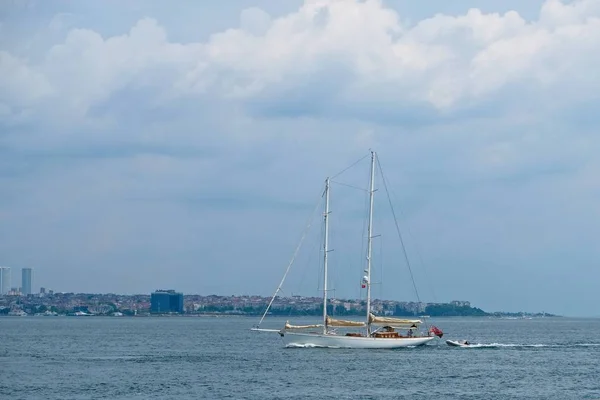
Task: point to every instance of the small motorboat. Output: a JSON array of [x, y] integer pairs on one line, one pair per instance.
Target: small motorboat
[[459, 343]]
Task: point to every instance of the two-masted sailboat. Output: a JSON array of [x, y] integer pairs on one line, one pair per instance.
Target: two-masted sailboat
[[376, 332]]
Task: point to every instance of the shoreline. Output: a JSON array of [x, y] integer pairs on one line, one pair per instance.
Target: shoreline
[[254, 316]]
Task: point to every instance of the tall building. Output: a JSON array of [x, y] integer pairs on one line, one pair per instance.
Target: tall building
[[166, 301], [4, 280], [26, 280]]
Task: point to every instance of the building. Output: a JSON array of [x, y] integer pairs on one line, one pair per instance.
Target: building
[[460, 303], [166, 301], [26, 280], [4, 280]]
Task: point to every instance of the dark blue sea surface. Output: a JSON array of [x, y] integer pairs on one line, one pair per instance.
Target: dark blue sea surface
[[220, 358]]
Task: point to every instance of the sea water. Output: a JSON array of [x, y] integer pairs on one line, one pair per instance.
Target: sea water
[[220, 358]]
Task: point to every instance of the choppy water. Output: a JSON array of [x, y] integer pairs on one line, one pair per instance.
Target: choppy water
[[219, 358]]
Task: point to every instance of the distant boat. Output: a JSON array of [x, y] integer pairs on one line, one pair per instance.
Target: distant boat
[[17, 313], [380, 332]]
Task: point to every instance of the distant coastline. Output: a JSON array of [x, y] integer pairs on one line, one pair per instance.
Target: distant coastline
[[92, 304]]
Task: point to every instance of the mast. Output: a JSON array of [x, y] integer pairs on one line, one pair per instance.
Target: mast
[[325, 251], [369, 237]]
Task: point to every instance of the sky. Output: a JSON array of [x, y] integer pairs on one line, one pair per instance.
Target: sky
[[145, 146]]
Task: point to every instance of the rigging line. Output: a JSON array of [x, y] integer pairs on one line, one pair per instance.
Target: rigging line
[[420, 258], [352, 165], [422, 263], [311, 219], [398, 230], [309, 262], [350, 186]]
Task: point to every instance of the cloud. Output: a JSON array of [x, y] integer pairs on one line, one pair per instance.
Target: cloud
[[486, 122], [20, 85], [255, 21], [344, 54]]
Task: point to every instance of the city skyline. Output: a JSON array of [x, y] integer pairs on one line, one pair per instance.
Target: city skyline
[[172, 298], [169, 301], [27, 281], [144, 147]]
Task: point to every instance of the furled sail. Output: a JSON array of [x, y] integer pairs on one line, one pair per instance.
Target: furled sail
[[288, 326], [342, 322], [373, 319]]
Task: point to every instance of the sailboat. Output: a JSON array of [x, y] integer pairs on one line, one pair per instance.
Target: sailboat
[[375, 332]]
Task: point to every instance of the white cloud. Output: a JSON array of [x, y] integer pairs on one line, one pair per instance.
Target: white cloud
[[62, 21], [255, 21], [89, 68], [447, 62], [20, 84]]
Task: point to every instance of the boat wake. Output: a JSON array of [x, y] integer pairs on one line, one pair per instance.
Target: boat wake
[[314, 346], [514, 345], [308, 346], [472, 346]]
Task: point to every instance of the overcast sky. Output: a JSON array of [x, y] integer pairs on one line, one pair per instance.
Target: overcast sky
[[147, 146]]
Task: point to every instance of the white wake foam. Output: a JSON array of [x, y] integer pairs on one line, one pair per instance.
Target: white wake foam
[[516, 345], [308, 346]]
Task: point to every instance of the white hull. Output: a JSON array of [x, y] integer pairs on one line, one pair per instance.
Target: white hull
[[295, 339]]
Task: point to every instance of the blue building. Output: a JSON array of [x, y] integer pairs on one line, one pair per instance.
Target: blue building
[[166, 301], [26, 280]]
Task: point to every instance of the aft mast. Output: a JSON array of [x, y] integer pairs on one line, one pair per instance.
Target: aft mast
[[325, 251], [369, 237]]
